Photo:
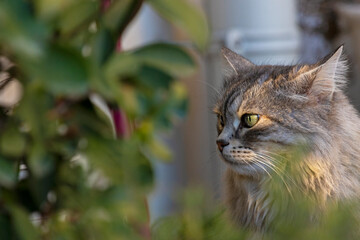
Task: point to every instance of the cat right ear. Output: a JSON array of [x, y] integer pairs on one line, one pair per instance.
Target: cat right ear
[[233, 63], [328, 77]]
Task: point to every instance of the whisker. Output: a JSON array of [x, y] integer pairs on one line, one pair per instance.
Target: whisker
[[269, 164], [273, 153], [273, 167], [282, 171], [248, 164], [258, 163]]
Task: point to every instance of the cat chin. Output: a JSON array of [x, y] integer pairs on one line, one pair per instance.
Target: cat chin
[[245, 169], [248, 170]]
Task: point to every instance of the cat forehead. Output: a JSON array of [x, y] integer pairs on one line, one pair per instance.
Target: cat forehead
[[242, 85], [259, 74]]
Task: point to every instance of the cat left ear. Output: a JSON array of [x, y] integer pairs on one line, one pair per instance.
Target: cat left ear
[[328, 77], [234, 64]]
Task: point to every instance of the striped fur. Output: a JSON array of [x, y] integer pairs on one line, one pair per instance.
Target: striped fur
[[301, 104]]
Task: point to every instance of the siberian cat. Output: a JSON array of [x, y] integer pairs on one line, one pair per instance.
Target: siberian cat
[[264, 110]]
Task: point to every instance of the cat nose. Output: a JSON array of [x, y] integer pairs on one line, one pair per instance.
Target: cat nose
[[221, 144]]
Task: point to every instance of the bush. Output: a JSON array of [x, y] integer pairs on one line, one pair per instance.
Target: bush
[[80, 181]]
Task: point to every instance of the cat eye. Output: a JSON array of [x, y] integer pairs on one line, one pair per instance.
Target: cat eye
[[250, 120]]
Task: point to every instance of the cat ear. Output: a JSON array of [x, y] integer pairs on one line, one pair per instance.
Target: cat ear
[[233, 63], [328, 77]]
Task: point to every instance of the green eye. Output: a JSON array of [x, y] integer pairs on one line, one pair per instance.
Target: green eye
[[249, 120]]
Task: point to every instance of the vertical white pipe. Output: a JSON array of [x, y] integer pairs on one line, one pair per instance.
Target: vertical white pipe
[[261, 30]]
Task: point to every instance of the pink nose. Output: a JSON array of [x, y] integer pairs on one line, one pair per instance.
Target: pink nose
[[221, 144]]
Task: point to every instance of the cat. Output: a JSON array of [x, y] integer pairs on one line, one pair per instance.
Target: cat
[[265, 110]]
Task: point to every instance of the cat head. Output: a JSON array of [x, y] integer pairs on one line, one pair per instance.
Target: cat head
[[266, 109]]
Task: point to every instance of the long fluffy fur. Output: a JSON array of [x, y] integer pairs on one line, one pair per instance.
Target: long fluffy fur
[[299, 104]]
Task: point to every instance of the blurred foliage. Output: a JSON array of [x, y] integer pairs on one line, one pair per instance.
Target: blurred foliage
[[295, 214], [77, 181]]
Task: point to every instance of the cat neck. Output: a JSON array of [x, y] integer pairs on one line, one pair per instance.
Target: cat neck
[[248, 202]]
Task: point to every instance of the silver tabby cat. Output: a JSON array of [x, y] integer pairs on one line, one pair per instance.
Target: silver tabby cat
[[264, 110]]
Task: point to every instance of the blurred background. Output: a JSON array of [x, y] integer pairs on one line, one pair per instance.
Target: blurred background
[[265, 32]]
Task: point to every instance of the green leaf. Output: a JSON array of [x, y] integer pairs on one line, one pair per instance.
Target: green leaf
[[86, 120], [47, 9], [120, 13], [143, 173], [8, 172], [154, 78], [79, 15], [12, 142], [34, 111], [19, 31], [185, 16], [168, 58], [40, 162], [105, 155], [103, 46], [128, 100], [121, 64], [24, 228], [65, 72], [5, 229]]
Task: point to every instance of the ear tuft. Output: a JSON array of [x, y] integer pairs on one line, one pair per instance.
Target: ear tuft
[[328, 77], [331, 75], [234, 64]]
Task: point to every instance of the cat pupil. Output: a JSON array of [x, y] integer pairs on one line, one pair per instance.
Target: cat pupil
[[250, 120]]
